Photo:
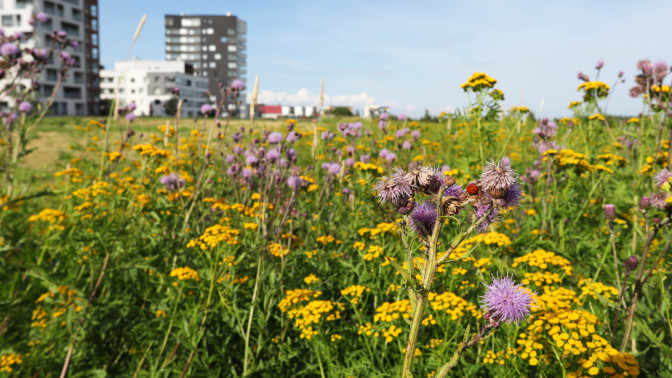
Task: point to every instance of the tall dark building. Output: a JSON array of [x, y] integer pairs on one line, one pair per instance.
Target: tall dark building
[[216, 46]]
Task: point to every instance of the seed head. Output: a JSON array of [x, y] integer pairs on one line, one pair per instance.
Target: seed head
[[498, 177]]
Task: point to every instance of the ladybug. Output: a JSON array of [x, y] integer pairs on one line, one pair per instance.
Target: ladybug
[[472, 189]]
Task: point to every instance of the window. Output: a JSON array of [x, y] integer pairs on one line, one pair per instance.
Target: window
[[79, 78], [141, 91], [213, 64], [223, 39], [71, 29], [76, 14], [191, 22], [94, 11], [72, 92], [94, 39], [52, 75], [231, 48], [231, 32], [211, 31], [21, 4], [94, 24], [157, 91], [232, 65], [205, 48], [212, 47], [8, 20], [218, 56], [205, 56], [94, 53]]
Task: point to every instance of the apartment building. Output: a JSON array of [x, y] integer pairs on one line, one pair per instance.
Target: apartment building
[[79, 93], [149, 83], [216, 46]]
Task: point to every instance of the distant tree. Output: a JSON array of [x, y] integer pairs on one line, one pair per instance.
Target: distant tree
[[340, 111], [357, 113], [171, 106], [428, 117]]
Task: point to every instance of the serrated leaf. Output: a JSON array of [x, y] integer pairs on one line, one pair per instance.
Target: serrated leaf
[[404, 273]]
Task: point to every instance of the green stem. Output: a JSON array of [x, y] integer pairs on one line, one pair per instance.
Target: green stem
[[257, 283]]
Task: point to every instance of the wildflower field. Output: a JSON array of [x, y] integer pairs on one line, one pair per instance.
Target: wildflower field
[[481, 243]]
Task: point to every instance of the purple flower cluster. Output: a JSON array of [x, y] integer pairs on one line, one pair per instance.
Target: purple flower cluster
[[423, 218], [505, 301], [172, 182]]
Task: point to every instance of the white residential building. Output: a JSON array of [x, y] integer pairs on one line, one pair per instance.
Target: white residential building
[[149, 83], [79, 93]]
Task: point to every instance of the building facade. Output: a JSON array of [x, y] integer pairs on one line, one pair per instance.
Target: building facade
[[79, 93], [216, 46], [150, 83]]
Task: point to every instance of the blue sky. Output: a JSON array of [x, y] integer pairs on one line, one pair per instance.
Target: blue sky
[[414, 55]]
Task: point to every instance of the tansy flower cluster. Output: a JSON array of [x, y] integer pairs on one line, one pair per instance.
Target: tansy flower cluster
[[478, 81]]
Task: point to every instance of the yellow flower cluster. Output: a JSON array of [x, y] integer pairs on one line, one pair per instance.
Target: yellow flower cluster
[[51, 216], [295, 296], [540, 279], [433, 343], [478, 81], [566, 158], [592, 289], [454, 305], [278, 250], [374, 252], [324, 240], [67, 297], [381, 228], [501, 356], [359, 246], [7, 360], [593, 88], [520, 109], [185, 273], [171, 130], [149, 149], [365, 329], [214, 235], [355, 291], [390, 333], [660, 160], [368, 167], [574, 104], [311, 278], [390, 311], [597, 116], [611, 159], [658, 88], [311, 314], [336, 337], [97, 189], [543, 259], [72, 172]]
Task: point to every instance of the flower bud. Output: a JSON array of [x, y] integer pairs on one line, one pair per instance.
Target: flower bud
[[645, 203], [610, 212], [631, 263]]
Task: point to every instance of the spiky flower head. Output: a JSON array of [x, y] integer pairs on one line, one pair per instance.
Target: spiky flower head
[[663, 176], [506, 301], [454, 190], [498, 178], [513, 196], [492, 218], [394, 189], [423, 218], [659, 200]]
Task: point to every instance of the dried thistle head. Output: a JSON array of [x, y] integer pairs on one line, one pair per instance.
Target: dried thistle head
[[420, 176], [497, 178]]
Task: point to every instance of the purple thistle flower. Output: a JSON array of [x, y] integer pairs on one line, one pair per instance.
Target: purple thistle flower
[[383, 153], [42, 17], [282, 163], [402, 117], [506, 301], [273, 155], [237, 137], [130, 117], [251, 160], [658, 200], [384, 116], [172, 182], [9, 49], [406, 145], [490, 219], [294, 182], [599, 65], [332, 168], [498, 176], [513, 196], [291, 154], [610, 212], [233, 170], [365, 158], [327, 135], [423, 218], [350, 162], [237, 85], [246, 173], [663, 176], [230, 158], [25, 107], [382, 124], [206, 108], [292, 137], [399, 134], [18, 35], [274, 137], [415, 134], [132, 106], [454, 190], [393, 189], [391, 157]]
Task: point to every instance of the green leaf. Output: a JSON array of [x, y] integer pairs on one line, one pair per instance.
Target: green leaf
[[404, 273]]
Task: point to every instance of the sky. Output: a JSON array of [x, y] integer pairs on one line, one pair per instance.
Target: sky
[[413, 56]]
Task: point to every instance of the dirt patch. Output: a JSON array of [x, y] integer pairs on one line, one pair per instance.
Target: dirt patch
[[48, 147]]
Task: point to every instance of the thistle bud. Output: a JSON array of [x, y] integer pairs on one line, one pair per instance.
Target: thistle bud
[[645, 203], [631, 263], [610, 212]]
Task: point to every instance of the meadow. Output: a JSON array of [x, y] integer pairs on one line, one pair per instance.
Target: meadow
[[173, 247]]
